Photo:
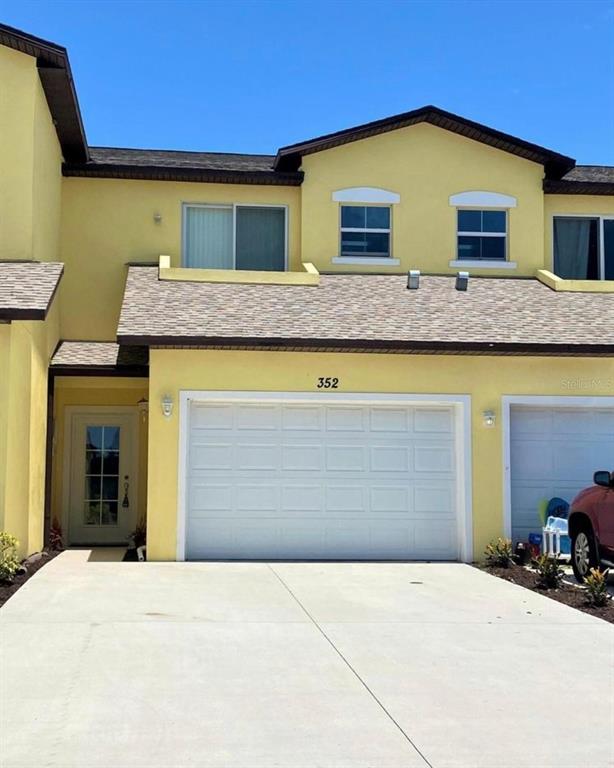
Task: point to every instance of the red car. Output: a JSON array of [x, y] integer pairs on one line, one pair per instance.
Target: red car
[[591, 526]]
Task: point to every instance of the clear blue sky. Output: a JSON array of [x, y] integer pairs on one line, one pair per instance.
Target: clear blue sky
[[253, 76]]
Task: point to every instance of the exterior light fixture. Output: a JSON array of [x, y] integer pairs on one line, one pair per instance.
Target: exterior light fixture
[[167, 406], [157, 217], [462, 281], [489, 418], [413, 279], [143, 407]]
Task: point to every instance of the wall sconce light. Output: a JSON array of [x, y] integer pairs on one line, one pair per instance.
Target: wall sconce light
[[143, 406], [157, 217], [167, 406], [489, 418]]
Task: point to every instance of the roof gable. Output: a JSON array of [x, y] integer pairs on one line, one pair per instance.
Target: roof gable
[[556, 165], [56, 78]]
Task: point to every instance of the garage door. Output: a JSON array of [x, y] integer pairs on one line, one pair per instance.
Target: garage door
[[310, 481], [554, 452]]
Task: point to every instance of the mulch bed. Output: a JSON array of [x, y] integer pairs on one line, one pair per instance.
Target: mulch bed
[[8, 588], [567, 593]]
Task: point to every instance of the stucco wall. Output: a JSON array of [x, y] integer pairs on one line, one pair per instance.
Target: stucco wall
[[30, 163], [106, 223], [425, 165], [27, 347], [485, 379]]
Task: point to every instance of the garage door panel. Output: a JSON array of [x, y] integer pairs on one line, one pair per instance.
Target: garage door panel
[[433, 458], [554, 451], [434, 420], [300, 481]]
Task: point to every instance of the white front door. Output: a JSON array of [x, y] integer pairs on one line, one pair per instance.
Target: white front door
[[102, 472], [310, 480]]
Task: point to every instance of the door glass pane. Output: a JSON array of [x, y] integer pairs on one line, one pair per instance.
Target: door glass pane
[[261, 238], [208, 238], [608, 249], [101, 475], [575, 248]]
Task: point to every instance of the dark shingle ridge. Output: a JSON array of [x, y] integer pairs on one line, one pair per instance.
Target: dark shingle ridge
[[179, 158]]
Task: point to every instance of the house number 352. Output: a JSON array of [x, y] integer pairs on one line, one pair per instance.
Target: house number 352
[[327, 383]]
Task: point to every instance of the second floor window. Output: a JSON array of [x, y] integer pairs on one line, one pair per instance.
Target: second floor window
[[481, 235], [365, 230], [583, 247], [234, 237]]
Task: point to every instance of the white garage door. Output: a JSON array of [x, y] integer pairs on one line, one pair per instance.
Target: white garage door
[[310, 481], [554, 452]]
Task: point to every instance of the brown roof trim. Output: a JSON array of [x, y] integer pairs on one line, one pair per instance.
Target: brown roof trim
[[556, 165], [57, 81], [564, 187], [125, 371], [164, 173], [407, 347]]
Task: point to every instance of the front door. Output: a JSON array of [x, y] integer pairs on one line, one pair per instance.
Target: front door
[[102, 506]]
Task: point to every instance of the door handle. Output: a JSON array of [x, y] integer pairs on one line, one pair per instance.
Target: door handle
[[126, 501]]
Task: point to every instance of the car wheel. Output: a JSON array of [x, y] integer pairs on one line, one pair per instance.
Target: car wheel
[[583, 554]]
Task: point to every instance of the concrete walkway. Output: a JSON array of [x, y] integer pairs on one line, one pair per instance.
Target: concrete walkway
[[295, 665]]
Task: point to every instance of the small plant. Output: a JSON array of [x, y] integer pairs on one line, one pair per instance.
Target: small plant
[[549, 573], [56, 542], [499, 553], [138, 537], [9, 562], [596, 584]]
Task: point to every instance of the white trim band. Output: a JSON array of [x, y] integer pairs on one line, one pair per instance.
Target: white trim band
[[365, 195], [381, 260], [483, 264], [479, 199]]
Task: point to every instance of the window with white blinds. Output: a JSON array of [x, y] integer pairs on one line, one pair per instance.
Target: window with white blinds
[[234, 237]]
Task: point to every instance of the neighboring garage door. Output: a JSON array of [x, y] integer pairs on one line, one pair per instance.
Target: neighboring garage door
[[312, 481], [554, 452]]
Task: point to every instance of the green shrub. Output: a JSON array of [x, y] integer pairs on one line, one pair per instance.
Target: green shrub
[[499, 553], [596, 584], [9, 562], [549, 573], [56, 543]]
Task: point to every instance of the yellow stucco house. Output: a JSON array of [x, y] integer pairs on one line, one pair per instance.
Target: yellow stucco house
[[390, 342]]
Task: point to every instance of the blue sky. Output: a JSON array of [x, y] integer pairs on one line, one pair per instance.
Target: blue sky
[[253, 76]]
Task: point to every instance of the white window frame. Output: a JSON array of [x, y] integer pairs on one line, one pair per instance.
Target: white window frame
[[601, 218], [381, 257], [463, 233], [233, 207]]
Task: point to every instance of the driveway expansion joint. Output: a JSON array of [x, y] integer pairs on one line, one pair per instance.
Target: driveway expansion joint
[[350, 667]]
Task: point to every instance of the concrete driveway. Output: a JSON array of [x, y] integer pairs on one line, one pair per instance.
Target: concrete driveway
[[296, 665]]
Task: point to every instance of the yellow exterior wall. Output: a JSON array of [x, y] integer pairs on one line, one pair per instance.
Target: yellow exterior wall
[[485, 379], [108, 222], [94, 391], [17, 75], [30, 163], [425, 165], [25, 350], [571, 205]]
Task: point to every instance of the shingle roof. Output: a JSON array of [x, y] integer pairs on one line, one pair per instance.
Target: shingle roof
[[366, 311], [175, 165], [98, 354], [27, 289], [584, 180]]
